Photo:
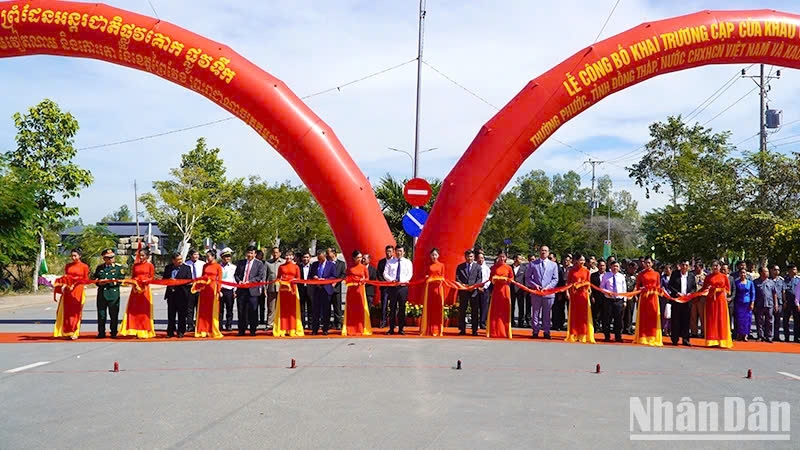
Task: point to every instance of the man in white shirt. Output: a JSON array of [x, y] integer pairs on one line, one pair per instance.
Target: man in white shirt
[[613, 281], [196, 264], [227, 293], [304, 291], [398, 269], [484, 293]]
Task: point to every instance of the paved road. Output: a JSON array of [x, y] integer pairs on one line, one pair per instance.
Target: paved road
[[377, 393]]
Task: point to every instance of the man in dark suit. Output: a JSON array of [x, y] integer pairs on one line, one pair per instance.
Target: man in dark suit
[[336, 300], [468, 273], [384, 291], [681, 282], [369, 289], [249, 270], [322, 269], [518, 296], [177, 297], [598, 297], [305, 290]]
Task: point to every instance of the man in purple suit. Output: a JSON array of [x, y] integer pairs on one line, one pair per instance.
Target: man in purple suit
[[542, 274], [322, 269]]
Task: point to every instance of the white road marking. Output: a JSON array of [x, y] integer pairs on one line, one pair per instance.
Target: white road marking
[[419, 192], [29, 366], [49, 308], [790, 375]]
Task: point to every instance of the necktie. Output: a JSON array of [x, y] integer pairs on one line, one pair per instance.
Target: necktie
[[397, 277], [614, 278], [469, 270], [247, 272], [194, 272]]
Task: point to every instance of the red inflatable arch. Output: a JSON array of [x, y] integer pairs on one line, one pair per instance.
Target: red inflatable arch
[[594, 73], [97, 31]]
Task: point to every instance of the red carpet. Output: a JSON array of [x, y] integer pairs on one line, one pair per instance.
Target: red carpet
[[520, 335]]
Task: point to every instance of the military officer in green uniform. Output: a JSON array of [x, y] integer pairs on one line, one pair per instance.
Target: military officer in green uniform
[[108, 294]]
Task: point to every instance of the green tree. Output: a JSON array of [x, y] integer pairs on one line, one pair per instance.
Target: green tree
[[93, 239], [389, 192], [508, 218], [123, 214], [280, 213], [45, 151], [196, 202], [674, 156], [18, 242]]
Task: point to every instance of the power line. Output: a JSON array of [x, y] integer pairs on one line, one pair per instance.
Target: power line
[[375, 74], [214, 122], [713, 97], [465, 89], [606, 22], [472, 93], [730, 106], [151, 136]]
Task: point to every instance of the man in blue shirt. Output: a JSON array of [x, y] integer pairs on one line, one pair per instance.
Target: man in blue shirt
[[790, 302], [766, 304]]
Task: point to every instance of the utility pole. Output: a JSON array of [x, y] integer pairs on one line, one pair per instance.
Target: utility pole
[[594, 203], [762, 113], [419, 84], [136, 209], [762, 81]]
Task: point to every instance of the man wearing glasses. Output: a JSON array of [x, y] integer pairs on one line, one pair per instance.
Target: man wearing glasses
[[108, 294]]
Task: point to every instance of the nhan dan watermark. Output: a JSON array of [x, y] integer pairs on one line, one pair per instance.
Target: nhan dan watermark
[[732, 419]]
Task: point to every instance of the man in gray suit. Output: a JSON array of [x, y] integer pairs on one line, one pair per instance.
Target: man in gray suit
[[272, 290], [248, 270], [468, 273], [518, 296], [542, 274]]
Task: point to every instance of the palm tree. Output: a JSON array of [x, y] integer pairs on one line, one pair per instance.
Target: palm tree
[[389, 192]]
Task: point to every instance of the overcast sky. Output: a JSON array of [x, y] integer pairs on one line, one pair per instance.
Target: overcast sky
[[493, 48]]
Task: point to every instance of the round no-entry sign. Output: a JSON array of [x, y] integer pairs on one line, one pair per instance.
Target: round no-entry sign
[[417, 192]]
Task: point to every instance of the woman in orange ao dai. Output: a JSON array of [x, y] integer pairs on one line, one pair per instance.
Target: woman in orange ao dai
[[432, 323], [498, 324], [207, 320], [356, 310], [648, 314], [579, 321], [138, 319], [717, 322], [288, 319], [70, 305]]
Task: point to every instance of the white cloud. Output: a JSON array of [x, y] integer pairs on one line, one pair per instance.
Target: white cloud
[[493, 48]]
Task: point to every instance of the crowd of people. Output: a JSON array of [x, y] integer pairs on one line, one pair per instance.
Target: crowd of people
[[578, 295]]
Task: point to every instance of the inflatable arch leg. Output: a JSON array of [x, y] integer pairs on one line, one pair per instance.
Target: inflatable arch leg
[[97, 31], [572, 87]]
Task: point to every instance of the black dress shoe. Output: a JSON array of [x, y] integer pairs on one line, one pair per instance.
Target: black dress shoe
[[314, 333], [390, 332], [180, 335], [101, 336], [401, 332], [252, 333], [324, 333], [474, 333], [240, 333], [619, 339], [462, 333], [547, 336], [608, 339], [169, 335], [687, 343]]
